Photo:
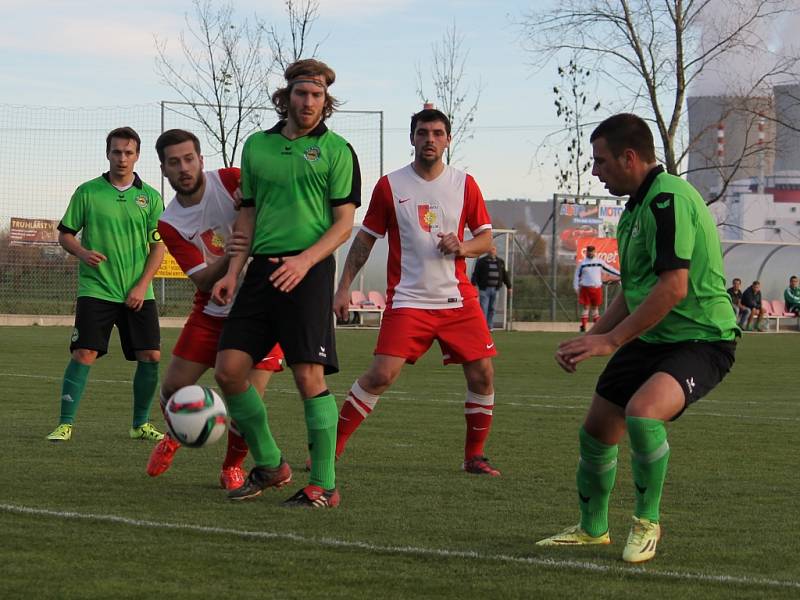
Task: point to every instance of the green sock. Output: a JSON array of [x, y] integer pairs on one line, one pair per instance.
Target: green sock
[[649, 458], [145, 382], [250, 414], [321, 419], [597, 470], [75, 376]]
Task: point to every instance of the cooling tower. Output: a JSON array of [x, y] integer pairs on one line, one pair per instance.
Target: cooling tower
[[787, 140], [742, 156]]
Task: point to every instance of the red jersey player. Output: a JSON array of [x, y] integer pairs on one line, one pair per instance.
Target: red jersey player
[[424, 208], [196, 227]]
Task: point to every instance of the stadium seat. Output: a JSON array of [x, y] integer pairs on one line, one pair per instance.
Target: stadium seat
[[377, 299], [361, 304], [357, 299]]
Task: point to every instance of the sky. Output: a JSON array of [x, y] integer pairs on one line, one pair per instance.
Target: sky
[[87, 53]]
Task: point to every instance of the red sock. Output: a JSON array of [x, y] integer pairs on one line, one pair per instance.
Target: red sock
[[356, 408], [478, 413], [237, 449]]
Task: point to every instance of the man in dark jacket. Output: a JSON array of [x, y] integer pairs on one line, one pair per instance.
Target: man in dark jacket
[[752, 300], [489, 275]]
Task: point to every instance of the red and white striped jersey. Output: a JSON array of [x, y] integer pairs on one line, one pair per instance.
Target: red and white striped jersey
[[413, 211], [196, 235]]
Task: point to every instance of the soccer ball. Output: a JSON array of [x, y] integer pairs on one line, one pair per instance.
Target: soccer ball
[[195, 416]]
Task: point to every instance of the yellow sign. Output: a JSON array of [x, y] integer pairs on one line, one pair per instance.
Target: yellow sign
[[169, 268]]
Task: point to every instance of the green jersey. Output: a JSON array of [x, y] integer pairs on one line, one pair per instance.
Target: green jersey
[[294, 185], [666, 225], [791, 296], [119, 225]]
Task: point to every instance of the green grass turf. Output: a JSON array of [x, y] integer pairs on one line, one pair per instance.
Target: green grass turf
[[411, 523]]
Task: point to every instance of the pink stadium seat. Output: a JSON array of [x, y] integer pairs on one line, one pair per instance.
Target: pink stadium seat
[[357, 298], [377, 299], [779, 308]]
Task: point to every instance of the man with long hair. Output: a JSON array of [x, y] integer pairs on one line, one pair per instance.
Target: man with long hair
[[301, 185]]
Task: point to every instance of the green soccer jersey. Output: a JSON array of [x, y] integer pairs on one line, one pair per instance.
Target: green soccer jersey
[[294, 185], [119, 225], [667, 225]]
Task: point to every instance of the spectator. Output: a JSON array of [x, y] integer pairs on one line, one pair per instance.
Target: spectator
[[588, 284], [489, 275], [791, 296], [735, 292], [751, 298]]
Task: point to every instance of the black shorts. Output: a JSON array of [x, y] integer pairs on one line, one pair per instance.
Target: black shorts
[[301, 321], [697, 366], [94, 319]]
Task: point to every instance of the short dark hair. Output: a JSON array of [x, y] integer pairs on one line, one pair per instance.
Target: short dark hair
[[627, 131], [590, 248], [125, 133], [792, 277], [307, 67], [428, 115], [756, 282], [735, 279], [175, 136]]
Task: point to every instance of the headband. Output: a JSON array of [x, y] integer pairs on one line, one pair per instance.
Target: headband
[[302, 79]]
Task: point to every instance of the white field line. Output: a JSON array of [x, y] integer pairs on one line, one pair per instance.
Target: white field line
[[460, 394], [573, 565]]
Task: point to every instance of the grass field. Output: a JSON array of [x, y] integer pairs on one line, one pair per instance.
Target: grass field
[[83, 520]]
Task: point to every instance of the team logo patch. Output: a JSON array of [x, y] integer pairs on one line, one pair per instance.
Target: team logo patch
[[429, 217], [312, 154], [154, 237], [214, 242], [635, 230], [74, 337], [142, 201]]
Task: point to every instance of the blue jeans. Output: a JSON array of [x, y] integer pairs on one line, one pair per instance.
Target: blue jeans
[[744, 313], [487, 297]]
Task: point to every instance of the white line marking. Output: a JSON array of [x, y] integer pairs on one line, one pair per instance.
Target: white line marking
[[281, 390], [411, 550]]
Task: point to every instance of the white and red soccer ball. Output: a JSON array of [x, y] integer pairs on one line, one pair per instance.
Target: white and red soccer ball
[[196, 416]]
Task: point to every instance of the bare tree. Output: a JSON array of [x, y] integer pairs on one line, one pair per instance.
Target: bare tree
[[223, 77], [301, 15], [654, 51], [454, 96], [226, 67], [571, 107]]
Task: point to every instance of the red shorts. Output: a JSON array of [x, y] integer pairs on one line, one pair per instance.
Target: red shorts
[[199, 338], [461, 332], [590, 296]]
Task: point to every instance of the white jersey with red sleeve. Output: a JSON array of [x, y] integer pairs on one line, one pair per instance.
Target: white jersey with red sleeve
[[196, 235], [413, 211]]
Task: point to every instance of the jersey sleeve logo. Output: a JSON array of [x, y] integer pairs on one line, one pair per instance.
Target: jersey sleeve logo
[[214, 242], [154, 237], [429, 217], [312, 154], [664, 204], [142, 201]]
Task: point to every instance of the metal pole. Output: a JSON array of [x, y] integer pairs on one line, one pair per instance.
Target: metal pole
[[381, 113], [162, 131], [554, 260]]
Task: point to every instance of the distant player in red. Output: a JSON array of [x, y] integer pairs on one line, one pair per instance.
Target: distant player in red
[[588, 284], [424, 208], [196, 227]]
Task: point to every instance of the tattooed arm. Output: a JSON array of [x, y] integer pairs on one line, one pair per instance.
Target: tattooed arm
[[356, 258]]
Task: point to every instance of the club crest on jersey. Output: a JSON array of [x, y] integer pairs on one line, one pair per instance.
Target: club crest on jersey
[[214, 242], [312, 154], [429, 218], [142, 201]]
